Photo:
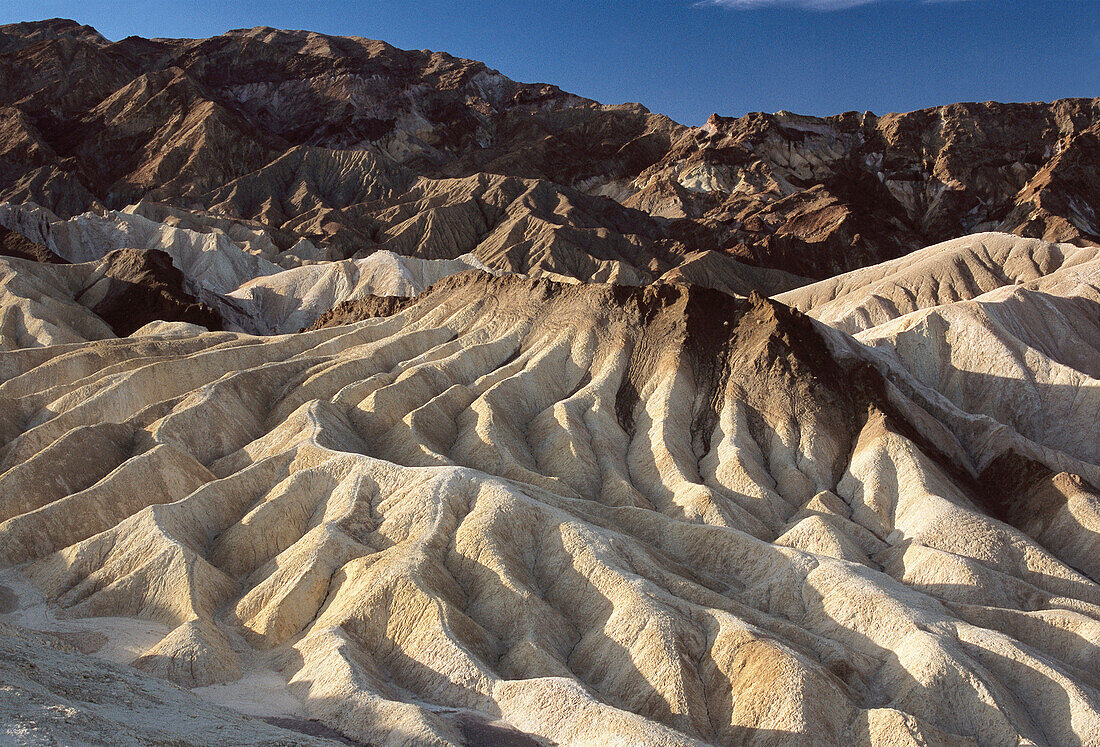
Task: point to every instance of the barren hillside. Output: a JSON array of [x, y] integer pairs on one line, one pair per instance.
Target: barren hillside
[[356, 395]]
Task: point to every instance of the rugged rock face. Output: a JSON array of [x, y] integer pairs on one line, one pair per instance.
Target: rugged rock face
[[16, 245], [355, 145], [43, 303], [138, 287], [819, 196], [349, 312], [321, 136]]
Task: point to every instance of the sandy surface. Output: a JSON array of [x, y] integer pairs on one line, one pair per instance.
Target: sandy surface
[[260, 692]]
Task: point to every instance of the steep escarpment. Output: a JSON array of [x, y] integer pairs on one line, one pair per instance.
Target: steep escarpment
[[819, 196], [675, 515]]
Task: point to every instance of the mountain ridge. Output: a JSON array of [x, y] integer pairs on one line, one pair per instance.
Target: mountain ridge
[[190, 122]]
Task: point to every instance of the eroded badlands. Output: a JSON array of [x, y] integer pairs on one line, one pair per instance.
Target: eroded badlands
[[581, 513], [358, 395]]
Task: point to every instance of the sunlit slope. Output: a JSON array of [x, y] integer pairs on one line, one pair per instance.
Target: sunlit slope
[[659, 515]]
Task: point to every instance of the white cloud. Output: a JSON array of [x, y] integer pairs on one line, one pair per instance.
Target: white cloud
[[822, 5], [814, 4]]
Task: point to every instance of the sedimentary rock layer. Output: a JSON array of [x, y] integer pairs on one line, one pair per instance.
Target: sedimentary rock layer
[[597, 428], [579, 512]]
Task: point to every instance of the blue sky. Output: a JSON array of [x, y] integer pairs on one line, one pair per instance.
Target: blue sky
[[686, 58]]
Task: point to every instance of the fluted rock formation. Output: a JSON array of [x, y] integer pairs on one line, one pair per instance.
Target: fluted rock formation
[[588, 512], [379, 397]]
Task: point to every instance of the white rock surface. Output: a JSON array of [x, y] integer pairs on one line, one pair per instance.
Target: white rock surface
[[292, 299], [225, 263], [545, 510], [956, 270], [39, 306]]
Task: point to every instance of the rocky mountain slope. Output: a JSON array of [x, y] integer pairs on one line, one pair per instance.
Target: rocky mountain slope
[[355, 145], [355, 395], [819, 196]]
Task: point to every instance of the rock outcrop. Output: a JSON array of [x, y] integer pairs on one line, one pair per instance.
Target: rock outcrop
[[818, 196], [583, 512], [43, 303], [132, 288], [16, 245], [292, 299], [188, 269], [352, 145]]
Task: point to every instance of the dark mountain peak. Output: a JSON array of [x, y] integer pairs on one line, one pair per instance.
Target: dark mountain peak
[[185, 121], [14, 36]]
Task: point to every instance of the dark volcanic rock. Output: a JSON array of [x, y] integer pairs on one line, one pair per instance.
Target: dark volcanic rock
[[347, 312], [16, 245], [819, 196], [144, 286]]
